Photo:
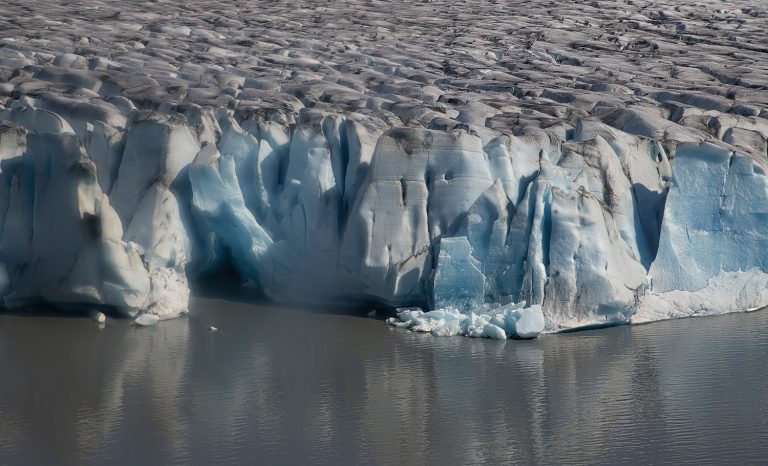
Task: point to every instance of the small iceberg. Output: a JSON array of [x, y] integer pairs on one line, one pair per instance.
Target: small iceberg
[[147, 320]]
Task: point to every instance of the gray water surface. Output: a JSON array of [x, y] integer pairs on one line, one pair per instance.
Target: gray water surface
[[288, 387]]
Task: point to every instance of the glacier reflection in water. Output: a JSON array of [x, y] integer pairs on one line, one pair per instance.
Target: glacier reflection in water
[[287, 387]]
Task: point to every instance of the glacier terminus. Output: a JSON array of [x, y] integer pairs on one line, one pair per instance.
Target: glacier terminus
[[479, 172]]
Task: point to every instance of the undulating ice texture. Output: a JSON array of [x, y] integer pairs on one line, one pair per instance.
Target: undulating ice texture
[[62, 240], [596, 163]]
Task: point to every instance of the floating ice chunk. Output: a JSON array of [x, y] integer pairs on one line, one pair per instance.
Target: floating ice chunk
[[531, 322], [147, 320], [510, 320], [494, 332], [100, 318]]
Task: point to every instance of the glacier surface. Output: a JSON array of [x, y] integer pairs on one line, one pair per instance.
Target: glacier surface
[[448, 162]]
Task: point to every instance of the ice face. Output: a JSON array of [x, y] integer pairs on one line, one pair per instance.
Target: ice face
[[387, 247], [62, 241], [716, 204], [458, 281], [328, 164], [710, 258], [146, 197], [218, 201]]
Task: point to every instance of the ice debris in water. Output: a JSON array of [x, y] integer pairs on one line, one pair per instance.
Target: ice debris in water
[[500, 323], [147, 320], [100, 318]]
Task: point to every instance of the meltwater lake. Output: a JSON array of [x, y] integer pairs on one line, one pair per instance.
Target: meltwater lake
[[275, 386]]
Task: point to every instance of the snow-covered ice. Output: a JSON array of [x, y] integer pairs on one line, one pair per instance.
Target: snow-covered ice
[[604, 163]]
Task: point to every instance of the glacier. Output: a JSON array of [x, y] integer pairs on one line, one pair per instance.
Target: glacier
[[473, 183]]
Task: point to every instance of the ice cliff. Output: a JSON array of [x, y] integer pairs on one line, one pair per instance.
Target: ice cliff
[[509, 189]]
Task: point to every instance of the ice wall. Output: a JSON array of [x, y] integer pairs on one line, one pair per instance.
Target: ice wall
[[711, 257], [595, 225], [62, 240], [351, 159]]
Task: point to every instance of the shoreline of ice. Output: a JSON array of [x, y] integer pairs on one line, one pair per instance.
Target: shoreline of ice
[[410, 166]]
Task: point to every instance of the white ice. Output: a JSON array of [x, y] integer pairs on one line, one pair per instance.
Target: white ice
[[508, 321], [344, 158]]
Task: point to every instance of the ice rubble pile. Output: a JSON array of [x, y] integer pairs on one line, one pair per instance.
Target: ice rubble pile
[[328, 164], [498, 323]]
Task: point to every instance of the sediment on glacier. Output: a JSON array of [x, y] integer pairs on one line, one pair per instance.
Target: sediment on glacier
[[402, 176]]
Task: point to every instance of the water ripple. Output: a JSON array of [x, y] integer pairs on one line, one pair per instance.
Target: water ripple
[[287, 387]]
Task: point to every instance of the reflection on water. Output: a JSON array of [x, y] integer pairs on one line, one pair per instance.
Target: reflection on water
[[285, 387]]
